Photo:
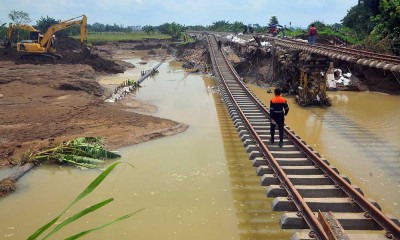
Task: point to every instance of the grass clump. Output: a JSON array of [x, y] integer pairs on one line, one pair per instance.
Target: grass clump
[[86, 152]]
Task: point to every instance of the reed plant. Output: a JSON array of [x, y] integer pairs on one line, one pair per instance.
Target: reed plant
[[89, 189]]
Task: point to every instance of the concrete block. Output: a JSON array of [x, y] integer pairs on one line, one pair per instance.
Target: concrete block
[[251, 148], [237, 122], [257, 162], [315, 204], [243, 132], [288, 154], [349, 221], [302, 170], [264, 169], [315, 191], [246, 137], [247, 143], [255, 154], [241, 127], [269, 179]]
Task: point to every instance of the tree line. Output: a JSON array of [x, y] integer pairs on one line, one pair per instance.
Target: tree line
[[377, 23], [370, 22]]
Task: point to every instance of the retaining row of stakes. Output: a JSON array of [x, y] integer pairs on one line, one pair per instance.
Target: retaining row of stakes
[[130, 85]]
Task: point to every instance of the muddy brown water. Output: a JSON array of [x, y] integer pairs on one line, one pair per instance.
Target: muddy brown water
[[200, 184]]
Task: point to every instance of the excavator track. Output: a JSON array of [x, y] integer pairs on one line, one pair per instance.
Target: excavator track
[[41, 57]]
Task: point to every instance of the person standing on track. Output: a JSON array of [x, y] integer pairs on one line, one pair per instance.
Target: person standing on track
[[278, 110], [219, 43], [312, 34]]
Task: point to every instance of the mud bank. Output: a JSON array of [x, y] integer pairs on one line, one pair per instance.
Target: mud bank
[[42, 103]]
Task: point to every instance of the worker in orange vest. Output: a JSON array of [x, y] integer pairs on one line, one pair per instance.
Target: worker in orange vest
[[278, 109]]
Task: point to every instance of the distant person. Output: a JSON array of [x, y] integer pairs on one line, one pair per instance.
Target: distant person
[[278, 110], [185, 37], [275, 31], [312, 34], [219, 43], [283, 32], [251, 29]]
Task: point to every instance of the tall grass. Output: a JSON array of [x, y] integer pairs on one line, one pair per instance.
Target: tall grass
[[89, 189]]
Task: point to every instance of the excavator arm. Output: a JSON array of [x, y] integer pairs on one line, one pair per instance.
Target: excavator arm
[[46, 40], [11, 29]]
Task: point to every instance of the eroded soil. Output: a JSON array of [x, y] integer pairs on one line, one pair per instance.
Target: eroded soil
[[45, 102]]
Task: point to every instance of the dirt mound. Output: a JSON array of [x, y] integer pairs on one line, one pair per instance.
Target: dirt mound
[[90, 87], [68, 44], [72, 53]]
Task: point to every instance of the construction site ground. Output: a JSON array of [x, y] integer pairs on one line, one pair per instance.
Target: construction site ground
[[44, 103]]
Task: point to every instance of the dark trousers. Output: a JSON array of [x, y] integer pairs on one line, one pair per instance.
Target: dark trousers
[[280, 128]]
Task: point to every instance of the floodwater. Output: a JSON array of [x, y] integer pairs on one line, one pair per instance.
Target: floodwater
[[360, 135], [200, 184]]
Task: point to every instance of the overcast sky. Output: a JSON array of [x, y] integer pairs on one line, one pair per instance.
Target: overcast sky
[[187, 12]]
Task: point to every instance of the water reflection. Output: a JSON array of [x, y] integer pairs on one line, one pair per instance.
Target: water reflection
[[385, 154]]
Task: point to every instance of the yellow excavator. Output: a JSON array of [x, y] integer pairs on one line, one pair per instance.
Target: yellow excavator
[[33, 33], [43, 46]]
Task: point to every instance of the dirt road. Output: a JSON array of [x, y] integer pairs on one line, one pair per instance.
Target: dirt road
[[42, 103]]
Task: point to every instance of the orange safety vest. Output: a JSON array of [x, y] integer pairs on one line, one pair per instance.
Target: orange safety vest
[[277, 105]]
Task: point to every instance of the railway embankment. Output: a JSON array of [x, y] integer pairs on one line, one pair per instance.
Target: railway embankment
[[268, 64]]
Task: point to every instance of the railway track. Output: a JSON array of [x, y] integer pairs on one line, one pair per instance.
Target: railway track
[[301, 182], [362, 57]]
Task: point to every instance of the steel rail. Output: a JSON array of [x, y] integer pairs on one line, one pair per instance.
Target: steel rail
[[301, 205], [387, 224], [392, 57], [354, 52]]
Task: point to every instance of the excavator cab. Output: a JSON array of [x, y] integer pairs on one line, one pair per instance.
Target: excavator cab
[[34, 36]]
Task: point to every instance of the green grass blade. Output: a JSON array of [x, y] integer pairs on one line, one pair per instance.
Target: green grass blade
[[44, 228], [81, 234], [83, 194], [78, 215], [95, 182]]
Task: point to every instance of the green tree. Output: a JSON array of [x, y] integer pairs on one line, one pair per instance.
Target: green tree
[[45, 22], [98, 27], [319, 24], [237, 26], [19, 17], [3, 30], [221, 25], [148, 29], [388, 21], [273, 20], [197, 27], [359, 19], [372, 6], [172, 29]]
